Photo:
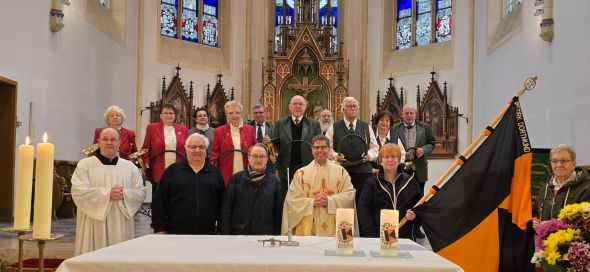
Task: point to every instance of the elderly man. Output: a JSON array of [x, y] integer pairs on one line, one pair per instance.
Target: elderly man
[[317, 190], [359, 167], [415, 134], [326, 120], [568, 185], [291, 137], [190, 193], [107, 191], [261, 126], [253, 200]]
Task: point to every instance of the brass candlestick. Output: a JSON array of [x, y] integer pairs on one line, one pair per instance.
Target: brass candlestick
[[19, 233], [41, 245]]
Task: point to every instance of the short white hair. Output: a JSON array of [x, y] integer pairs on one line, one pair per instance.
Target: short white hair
[[233, 103], [346, 100], [196, 135], [116, 109]]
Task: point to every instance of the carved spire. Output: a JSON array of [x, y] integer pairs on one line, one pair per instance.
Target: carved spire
[[378, 100], [418, 99], [178, 69], [208, 93], [401, 96], [163, 86], [231, 95], [432, 75]]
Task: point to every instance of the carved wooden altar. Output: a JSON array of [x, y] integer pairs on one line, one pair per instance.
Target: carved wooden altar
[[305, 63], [434, 109], [392, 102], [215, 103], [176, 95]]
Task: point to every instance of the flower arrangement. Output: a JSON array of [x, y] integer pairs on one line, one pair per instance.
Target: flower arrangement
[[564, 243]]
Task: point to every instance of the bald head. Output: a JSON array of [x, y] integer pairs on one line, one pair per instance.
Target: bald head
[[409, 114], [297, 106], [109, 142]]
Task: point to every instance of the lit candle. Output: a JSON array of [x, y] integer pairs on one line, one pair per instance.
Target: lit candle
[[43, 190], [344, 230], [24, 179], [389, 232]]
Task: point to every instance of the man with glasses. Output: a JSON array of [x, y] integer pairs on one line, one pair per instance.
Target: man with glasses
[[253, 200], [317, 190], [189, 196], [107, 191], [568, 185]]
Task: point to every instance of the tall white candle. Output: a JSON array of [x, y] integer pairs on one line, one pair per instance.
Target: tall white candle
[[344, 230], [389, 232], [43, 190], [24, 184]]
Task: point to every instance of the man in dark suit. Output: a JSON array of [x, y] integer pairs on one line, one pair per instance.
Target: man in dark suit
[[287, 137], [262, 128], [417, 135]]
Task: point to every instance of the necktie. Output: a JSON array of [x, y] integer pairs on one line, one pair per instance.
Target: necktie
[[350, 128], [296, 121], [409, 126], [259, 133]]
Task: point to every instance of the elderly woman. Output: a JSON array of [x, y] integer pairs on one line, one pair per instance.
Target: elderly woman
[[569, 184], [114, 116], [389, 189], [164, 142], [233, 135], [203, 128]]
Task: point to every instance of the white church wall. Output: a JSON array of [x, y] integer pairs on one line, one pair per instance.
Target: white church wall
[[456, 77], [70, 76], [556, 111]]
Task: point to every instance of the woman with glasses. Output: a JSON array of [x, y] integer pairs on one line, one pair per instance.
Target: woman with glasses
[[388, 189], [164, 142], [230, 140], [568, 185]]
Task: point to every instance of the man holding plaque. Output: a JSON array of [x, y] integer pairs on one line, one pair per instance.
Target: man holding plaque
[[315, 193], [107, 191]]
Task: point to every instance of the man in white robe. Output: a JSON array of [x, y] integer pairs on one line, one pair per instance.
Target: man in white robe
[[317, 190], [107, 191]]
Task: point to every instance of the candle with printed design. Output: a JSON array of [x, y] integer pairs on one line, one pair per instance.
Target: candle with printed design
[[389, 232], [344, 230]]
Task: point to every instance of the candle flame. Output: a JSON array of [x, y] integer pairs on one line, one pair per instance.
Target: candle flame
[[45, 137], [27, 141]]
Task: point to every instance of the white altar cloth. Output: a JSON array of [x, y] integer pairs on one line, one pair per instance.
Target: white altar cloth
[[244, 253]]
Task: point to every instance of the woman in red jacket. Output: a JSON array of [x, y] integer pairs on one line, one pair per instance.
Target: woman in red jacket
[[164, 142], [233, 135], [114, 116]]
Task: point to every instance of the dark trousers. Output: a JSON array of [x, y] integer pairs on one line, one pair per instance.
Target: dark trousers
[[358, 182]]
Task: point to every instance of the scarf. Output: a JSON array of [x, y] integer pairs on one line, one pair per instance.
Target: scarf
[[203, 127], [256, 176]]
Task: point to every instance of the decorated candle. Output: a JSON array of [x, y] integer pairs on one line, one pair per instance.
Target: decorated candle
[[389, 232], [344, 230]]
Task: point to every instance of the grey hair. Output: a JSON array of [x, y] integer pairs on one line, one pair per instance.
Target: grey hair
[[259, 106], [346, 99], [233, 103], [197, 135], [563, 147], [113, 108]]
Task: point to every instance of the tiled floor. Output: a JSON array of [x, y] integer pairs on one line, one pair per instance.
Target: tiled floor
[[64, 248]]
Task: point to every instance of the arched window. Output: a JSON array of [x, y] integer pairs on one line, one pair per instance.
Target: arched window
[[104, 3], [190, 11], [422, 22], [510, 3]]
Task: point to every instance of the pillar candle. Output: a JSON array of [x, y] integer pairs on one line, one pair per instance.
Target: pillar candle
[[43, 190], [344, 230], [24, 184], [389, 232]]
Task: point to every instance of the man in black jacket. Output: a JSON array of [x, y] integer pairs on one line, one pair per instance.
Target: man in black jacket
[[253, 201], [190, 193]]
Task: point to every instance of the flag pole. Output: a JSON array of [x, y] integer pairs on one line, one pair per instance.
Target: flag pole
[[529, 85]]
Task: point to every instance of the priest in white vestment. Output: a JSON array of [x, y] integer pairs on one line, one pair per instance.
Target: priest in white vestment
[[315, 193], [107, 191]]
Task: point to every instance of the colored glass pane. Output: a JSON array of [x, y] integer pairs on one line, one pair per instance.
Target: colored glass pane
[[171, 2], [289, 11], [331, 21], [189, 4], [404, 24], [423, 22], [509, 6], [444, 20], [210, 23], [189, 25], [104, 2], [168, 19]]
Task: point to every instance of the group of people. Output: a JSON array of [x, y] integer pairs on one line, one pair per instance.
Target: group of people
[[205, 183]]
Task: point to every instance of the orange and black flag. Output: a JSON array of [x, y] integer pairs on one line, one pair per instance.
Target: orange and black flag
[[480, 219]]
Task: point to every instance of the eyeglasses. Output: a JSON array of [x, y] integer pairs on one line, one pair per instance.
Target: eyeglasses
[[556, 162], [108, 140], [193, 147], [318, 147], [388, 158], [258, 157]]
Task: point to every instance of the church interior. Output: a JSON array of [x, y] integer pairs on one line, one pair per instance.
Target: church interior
[[458, 61]]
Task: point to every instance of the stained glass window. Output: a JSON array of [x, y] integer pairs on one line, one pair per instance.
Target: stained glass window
[[404, 24], [423, 22], [104, 2], [168, 18], [190, 24], [329, 17], [444, 20], [284, 15], [210, 22]]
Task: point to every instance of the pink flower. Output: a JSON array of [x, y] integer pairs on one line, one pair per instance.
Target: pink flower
[[547, 228]]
